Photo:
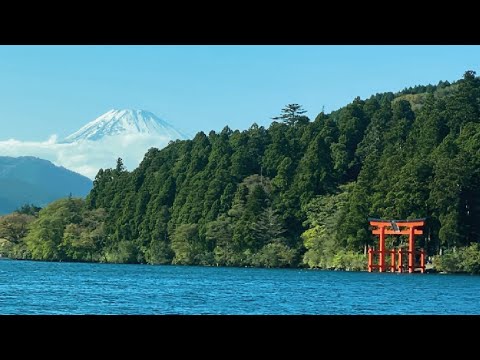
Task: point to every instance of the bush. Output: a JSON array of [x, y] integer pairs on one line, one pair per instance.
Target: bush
[[159, 253], [124, 252], [14, 251], [274, 255], [463, 260], [349, 261]]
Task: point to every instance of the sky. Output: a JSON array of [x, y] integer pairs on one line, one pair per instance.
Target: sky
[[46, 90], [49, 92]]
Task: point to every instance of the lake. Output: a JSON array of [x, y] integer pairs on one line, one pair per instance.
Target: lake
[[29, 287]]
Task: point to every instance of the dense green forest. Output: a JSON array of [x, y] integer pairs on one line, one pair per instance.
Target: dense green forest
[[296, 194]]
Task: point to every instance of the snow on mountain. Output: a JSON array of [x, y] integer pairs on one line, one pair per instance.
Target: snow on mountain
[[125, 122], [118, 133]]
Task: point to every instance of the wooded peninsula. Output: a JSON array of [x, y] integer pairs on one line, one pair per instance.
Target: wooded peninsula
[[295, 194]]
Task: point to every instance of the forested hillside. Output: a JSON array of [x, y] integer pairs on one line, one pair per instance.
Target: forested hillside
[[297, 193]]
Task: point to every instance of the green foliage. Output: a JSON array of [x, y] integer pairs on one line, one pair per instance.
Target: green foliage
[[13, 230], [321, 247], [297, 193], [324, 216], [292, 114], [28, 209], [123, 252], [274, 255], [349, 261], [159, 252], [188, 247], [461, 260], [14, 227], [66, 230]]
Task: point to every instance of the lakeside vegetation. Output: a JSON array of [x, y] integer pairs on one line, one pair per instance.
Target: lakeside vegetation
[[296, 194]]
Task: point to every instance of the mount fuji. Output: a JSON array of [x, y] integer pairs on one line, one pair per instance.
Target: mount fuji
[[125, 133], [125, 122]]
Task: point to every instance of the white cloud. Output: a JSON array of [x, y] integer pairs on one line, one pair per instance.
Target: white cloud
[[87, 157]]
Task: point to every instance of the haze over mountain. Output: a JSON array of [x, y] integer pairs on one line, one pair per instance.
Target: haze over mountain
[[125, 133], [30, 180]]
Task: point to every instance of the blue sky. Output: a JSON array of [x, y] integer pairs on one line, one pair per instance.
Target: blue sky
[[47, 90]]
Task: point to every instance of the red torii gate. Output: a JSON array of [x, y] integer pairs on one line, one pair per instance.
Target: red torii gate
[[392, 227]]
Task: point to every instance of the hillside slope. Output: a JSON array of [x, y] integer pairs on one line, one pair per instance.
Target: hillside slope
[[30, 180], [296, 194]]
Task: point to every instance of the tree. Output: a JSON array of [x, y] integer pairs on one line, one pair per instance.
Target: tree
[[292, 114], [220, 233], [78, 245], [66, 230], [28, 209], [314, 172], [256, 201], [321, 247], [352, 123], [210, 200], [324, 216], [268, 228], [274, 255], [159, 252], [14, 227], [119, 167], [186, 244], [45, 238]]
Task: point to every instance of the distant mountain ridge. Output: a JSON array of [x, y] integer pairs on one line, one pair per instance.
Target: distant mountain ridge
[[126, 133], [29, 179], [125, 122]]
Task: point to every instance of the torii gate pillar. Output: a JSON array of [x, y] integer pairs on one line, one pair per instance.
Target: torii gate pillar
[[392, 227]]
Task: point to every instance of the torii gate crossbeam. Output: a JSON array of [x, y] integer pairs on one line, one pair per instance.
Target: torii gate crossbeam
[[396, 227]]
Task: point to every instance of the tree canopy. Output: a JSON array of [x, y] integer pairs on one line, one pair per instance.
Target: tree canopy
[[297, 193]]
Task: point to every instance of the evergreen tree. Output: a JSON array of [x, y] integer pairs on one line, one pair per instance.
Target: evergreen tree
[[292, 114], [297, 192]]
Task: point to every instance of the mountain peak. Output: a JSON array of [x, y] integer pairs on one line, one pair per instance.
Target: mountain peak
[[125, 122]]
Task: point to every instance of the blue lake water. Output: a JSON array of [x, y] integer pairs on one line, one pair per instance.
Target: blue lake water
[[28, 287]]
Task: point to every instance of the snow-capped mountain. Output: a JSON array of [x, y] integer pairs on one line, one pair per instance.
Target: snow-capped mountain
[[127, 134], [125, 122]]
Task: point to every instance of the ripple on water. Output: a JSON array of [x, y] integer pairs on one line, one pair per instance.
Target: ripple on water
[[28, 287]]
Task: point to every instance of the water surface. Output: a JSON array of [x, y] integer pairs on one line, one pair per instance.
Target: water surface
[[28, 287]]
